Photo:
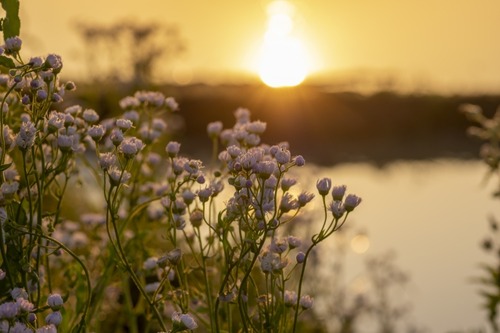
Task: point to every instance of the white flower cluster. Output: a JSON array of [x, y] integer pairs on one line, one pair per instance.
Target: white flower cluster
[[15, 314]]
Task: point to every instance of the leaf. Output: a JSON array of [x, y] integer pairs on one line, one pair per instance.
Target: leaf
[[4, 166], [11, 24]]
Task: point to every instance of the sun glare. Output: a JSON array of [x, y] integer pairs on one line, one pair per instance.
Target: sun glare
[[282, 61]]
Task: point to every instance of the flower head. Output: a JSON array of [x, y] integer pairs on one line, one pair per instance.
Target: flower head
[[351, 202], [26, 136], [214, 129], [183, 321], [306, 302], [55, 301], [173, 148], [13, 45], [323, 186]]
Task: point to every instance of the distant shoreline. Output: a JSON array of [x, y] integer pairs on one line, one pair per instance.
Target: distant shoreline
[[325, 127]]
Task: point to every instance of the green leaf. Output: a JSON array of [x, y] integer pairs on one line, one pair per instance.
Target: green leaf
[[4, 166], [11, 24]]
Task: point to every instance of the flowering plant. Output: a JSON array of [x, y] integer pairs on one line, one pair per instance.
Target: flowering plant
[[171, 245]]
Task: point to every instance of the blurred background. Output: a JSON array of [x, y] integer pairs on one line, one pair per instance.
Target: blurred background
[[367, 91]]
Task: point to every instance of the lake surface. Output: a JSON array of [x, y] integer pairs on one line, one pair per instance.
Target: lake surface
[[434, 216]]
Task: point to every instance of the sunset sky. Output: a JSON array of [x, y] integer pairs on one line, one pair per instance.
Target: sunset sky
[[449, 45]]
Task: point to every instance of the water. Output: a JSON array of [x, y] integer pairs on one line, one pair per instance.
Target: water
[[434, 215]]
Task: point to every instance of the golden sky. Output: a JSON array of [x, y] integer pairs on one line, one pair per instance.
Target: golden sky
[[444, 44]]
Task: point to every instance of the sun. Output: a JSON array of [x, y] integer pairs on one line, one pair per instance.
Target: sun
[[282, 59]]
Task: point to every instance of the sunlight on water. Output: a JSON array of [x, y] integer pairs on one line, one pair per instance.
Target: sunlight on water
[[434, 216]]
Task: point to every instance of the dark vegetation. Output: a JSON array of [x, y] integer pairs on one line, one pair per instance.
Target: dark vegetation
[[326, 127]]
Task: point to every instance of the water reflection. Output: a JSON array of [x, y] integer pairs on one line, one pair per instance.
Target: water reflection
[[434, 216]]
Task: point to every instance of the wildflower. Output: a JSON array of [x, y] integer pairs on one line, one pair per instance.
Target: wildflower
[[278, 246], [47, 76], [299, 160], [351, 202], [255, 127], [183, 321], [73, 110], [54, 61], [204, 194], [173, 148], [55, 121], [178, 165], [41, 95], [159, 125], [117, 176], [9, 310], [242, 115], [173, 258], [171, 103], [2, 273], [304, 198], [293, 242], [131, 147], [150, 263], [214, 129], [271, 262], [188, 196], [306, 302], [338, 192], [323, 186], [288, 203], [56, 98], [116, 136], [337, 209], [18, 328], [282, 156], [96, 132], [90, 116], [65, 142], [124, 124], [129, 102], [68, 119], [131, 115], [251, 139], [70, 86], [287, 183], [24, 305], [193, 166], [300, 257], [107, 160], [196, 217], [35, 61], [150, 98], [12, 45], [25, 100], [234, 151], [54, 318], [26, 136], [264, 169], [55, 301], [8, 189], [290, 298]]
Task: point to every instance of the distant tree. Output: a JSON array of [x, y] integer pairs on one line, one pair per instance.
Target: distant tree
[[129, 51]]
